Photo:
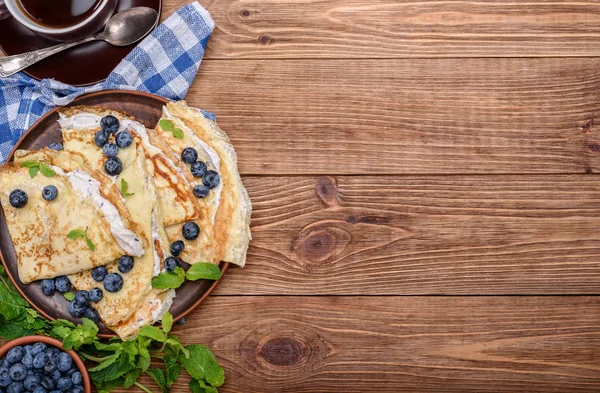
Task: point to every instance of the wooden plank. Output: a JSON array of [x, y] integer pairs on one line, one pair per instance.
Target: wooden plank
[[401, 28], [407, 235], [401, 344], [406, 116]]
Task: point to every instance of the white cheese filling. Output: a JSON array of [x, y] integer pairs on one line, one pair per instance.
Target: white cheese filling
[[90, 187]]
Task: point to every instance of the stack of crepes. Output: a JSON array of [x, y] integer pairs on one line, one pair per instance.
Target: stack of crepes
[[138, 212]]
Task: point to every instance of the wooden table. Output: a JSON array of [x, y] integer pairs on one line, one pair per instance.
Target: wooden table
[[426, 209]]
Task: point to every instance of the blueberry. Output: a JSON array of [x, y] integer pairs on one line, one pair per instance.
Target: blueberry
[[109, 124], [100, 138], [40, 360], [15, 387], [92, 313], [113, 282], [96, 295], [50, 366], [198, 169], [98, 273], [52, 352], [110, 150], [123, 139], [17, 372], [5, 381], [15, 354], [55, 146], [38, 348], [211, 179], [76, 389], [65, 361], [64, 384], [189, 155], [82, 298], [125, 264], [201, 191], [171, 263], [181, 321], [27, 361], [62, 284], [31, 382], [190, 231], [40, 389], [76, 309], [4, 374], [47, 382], [18, 198], [48, 287], [56, 375], [113, 166], [50, 193], [70, 371], [177, 247], [76, 378]]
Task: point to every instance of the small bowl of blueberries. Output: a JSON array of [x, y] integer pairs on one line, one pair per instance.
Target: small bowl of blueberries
[[38, 364]]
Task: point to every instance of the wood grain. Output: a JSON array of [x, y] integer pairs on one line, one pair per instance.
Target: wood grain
[[401, 344], [409, 235], [283, 29], [406, 116]]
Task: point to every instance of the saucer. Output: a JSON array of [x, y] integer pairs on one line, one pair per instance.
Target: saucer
[[83, 65]]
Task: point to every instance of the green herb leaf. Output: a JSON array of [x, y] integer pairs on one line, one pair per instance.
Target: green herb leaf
[[178, 133], [12, 305], [167, 280], [166, 125], [144, 354], [172, 369], [76, 234], [11, 330], [200, 387], [154, 333], [70, 296], [107, 362], [30, 164], [84, 333], [201, 364], [46, 170], [159, 377], [116, 369], [131, 377], [174, 347], [89, 243], [124, 188], [167, 322], [203, 270], [33, 171]]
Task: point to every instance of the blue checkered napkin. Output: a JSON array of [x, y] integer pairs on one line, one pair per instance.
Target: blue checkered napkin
[[164, 63]]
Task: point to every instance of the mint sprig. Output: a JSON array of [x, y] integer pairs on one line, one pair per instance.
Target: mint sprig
[[79, 233], [124, 188], [38, 166], [118, 363], [168, 125], [173, 280]]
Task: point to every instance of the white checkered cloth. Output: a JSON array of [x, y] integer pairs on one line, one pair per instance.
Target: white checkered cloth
[[164, 63]]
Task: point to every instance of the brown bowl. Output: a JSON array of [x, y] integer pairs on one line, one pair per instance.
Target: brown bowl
[[87, 386]]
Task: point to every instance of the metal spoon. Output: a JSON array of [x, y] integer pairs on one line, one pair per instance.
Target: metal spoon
[[124, 28]]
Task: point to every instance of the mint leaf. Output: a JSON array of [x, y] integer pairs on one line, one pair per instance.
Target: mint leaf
[[11, 330], [116, 369], [178, 133], [131, 377], [70, 296], [124, 188], [154, 333], [89, 243], [12, 305], [174, 347], [143, 361], [167, 322], [76, 234], [200, 387], [204, 270], [111, 359], [46, 170], [166, 125], [33, 171], [172, 369], [167, 280], [30, 164], [84, 333], [201, 364], [159, 377]]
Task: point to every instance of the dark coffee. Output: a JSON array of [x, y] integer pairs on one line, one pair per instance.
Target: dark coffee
[[58, 13]]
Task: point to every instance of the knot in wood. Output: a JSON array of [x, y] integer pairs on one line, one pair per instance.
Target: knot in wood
[[264, 39], [283, 351], [326, 190]]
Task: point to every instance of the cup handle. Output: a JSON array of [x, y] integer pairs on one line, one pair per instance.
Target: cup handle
[[4, 14]]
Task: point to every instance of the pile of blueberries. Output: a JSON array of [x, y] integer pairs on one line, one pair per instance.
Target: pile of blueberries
[[80, 307], [109, 126], [210, 178], [39, 368]]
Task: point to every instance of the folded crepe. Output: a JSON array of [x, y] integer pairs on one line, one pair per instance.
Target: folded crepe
[[227, 208], [137, 303], [85, 201]]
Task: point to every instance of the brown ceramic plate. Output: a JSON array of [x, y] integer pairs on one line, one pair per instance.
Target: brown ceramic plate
[[84, 65], [146, 108]]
